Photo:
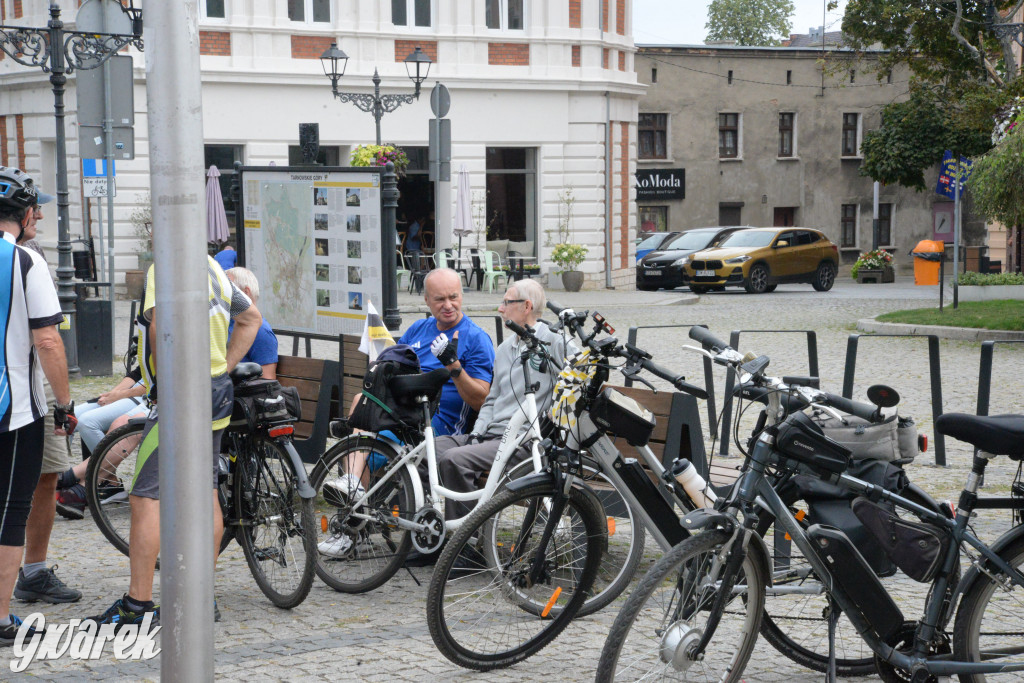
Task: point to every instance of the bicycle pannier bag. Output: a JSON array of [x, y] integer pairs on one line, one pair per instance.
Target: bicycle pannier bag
[[894, 439], [377, 409], [917, 548], [262, 401]]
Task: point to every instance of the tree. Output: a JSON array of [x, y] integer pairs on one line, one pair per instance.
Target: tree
[[997, 180], [749, 22]]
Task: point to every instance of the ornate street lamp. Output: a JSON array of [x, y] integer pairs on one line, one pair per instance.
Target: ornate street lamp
[[417, 65], [59, 52]]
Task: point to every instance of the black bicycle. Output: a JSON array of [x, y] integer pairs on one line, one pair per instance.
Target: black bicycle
[[264, 491]]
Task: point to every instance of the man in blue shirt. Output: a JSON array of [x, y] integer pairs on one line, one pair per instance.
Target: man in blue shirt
[[450, 339], [264, 348], [226, 257]]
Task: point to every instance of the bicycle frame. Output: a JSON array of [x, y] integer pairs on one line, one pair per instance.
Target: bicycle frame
[[754, 483]]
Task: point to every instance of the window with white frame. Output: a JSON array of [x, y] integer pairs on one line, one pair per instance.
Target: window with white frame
[[214, 9], [787, 134], [886, 213], [318, 11], [728, 136], [851, 135], [848, 226], [506, 15], [411, 12]]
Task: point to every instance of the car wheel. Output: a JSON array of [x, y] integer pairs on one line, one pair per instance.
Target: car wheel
[[697, 289], [757, 280], [825, 277], [770, 288]]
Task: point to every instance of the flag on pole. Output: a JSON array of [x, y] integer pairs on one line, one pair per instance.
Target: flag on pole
[[375, 335]]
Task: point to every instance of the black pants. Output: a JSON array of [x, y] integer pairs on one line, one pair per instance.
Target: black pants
[[21, 460]]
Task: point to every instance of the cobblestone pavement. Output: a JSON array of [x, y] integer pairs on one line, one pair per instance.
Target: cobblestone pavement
[[382, 635]]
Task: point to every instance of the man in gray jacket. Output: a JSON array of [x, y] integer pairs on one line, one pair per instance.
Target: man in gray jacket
[[462, 459]]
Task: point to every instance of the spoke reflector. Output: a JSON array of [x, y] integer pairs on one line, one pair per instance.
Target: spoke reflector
[[551, 602], [323, 523], [611, 526]]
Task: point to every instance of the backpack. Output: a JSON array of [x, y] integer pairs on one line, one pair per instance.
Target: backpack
[[377, 408]]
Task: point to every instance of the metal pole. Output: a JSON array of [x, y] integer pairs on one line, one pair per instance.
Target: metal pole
[[956, 234], [389, 193], [378, 106], [875, 237], [175, 120], [65, 270]]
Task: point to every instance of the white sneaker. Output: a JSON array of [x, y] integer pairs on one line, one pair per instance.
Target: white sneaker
[[338, 546], [344, 489]]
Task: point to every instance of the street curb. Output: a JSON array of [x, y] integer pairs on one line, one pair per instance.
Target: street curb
[[684, 300], [941, 331]]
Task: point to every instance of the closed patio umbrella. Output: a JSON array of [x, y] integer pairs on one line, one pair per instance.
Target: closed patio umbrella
[[463, 210], [216, 216]]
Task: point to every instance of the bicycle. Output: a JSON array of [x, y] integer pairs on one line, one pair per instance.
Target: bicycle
[[396, 514], [530, 554], [721, 572], [263, 488]]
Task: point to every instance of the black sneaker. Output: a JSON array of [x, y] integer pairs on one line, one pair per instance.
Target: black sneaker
[[119, 615], [9, 633], [44, 586], [71, 502], [108, 489]]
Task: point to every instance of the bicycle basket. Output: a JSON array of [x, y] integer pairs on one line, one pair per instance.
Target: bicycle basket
[[578, 371]]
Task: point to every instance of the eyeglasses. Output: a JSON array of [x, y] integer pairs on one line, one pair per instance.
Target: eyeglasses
[[508, 302], [38, 210]]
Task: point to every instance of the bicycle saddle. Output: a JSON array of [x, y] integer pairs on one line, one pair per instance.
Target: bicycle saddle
[[243, 372], [995, 434], [428, 384]]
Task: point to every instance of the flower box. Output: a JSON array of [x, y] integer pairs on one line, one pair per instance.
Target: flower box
[[876, 275]]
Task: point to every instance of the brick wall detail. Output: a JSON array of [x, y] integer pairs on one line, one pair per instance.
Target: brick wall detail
[[508, 54], [310, 47], [217, 43], [4, 161], [404, 48], [604, 14], [575, 55], [620, 17], [17, 9], [575, 14], [622, 60], [604, 58], [19, 132], [623, 181]]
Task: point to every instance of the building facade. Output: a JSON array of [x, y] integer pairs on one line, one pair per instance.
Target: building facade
[[543, 107], [768, 137]]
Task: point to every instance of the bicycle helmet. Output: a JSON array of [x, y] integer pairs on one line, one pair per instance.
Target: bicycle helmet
[[17, 189]]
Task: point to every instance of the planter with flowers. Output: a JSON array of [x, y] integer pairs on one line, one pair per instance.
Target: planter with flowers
[[380, 155], [568, 257], [874, 266]]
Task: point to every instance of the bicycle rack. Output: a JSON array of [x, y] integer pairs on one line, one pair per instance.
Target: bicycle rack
[[934, 373], [709, 379], [730, 377], [985, 372]]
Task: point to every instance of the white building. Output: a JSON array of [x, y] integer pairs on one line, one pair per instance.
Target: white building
[[544, 98]]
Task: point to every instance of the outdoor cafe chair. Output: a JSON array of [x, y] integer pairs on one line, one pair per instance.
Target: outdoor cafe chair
[[444, 258], [492, 270]]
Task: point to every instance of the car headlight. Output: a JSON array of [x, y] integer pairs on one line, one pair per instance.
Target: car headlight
[[679, 263], [739, 259]]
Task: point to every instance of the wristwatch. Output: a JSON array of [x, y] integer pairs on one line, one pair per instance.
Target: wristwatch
[[67, 408], [455, 372]]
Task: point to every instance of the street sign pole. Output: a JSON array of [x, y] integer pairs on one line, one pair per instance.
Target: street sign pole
[[440, 153]]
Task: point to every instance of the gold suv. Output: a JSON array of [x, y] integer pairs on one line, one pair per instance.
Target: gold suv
[[759, 259]]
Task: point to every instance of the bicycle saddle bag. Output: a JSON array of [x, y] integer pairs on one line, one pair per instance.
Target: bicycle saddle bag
[[918, 548], [378, 407], [264, 401], [895, 439]]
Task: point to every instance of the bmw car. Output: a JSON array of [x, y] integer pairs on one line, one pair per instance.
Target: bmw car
[[662, 268], [759, 259]]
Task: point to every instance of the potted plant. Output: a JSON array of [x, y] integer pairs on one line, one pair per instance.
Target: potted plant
[[874, 266], [380, 155], [142, 221], [568, 257]]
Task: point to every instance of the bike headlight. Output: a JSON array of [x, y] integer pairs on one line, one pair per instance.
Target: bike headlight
[[739, 259], [679, 263]]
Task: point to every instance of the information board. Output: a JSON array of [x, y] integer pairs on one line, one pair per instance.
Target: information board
[[313, 239]]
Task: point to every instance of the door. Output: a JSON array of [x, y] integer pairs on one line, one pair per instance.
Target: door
[[729, 214], [784, 261], [785, 217]]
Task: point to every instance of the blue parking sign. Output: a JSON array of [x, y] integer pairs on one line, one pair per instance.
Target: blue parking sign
[[97, 168]]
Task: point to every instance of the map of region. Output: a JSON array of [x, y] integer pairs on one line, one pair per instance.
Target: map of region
[[288, 300]]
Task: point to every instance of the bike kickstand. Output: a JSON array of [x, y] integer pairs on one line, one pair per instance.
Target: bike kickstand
[[833, 620]]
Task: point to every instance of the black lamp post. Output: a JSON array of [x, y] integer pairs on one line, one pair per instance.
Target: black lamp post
[[417, 65], [59, 52]]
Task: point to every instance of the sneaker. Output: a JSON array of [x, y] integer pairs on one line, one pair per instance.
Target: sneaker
[[337, 546], [109, 489], [343, 490], [9, 633], [115, 498], [45, 586], [119, 615], [71, 502]]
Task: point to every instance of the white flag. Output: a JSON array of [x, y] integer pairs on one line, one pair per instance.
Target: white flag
[[375, 335]]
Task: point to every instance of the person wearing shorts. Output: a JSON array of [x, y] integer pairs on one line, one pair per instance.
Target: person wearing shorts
[[32, 348], [227, 303]]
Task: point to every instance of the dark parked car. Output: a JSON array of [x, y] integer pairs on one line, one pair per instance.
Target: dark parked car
[[662, 268], [653, 242]]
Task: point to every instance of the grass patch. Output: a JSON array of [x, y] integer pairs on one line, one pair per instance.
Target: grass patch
[[986, 315]]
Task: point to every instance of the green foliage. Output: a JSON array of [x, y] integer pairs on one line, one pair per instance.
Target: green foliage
[[997, 182], [568, 256], [988, 315], [380, 155], [872, 260], [990, 279], [749, 22]]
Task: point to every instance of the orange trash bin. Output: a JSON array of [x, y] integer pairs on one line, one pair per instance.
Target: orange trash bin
[[927, 260]]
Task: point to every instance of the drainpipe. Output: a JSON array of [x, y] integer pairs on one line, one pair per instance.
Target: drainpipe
[[608, 190]]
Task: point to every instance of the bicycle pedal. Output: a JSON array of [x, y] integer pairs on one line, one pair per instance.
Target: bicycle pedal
[[264, 554]]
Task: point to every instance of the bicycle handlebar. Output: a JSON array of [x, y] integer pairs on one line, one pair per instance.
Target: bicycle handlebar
[[865, 411], [678, 381], [704, 336]]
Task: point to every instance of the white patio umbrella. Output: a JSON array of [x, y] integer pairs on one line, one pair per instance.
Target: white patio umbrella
[[216, 217], [463, 210]]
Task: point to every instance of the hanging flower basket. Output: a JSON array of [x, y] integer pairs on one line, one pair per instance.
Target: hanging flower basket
[[380, 155]]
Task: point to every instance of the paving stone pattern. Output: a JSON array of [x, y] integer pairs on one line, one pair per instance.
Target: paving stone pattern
[[382, 635]]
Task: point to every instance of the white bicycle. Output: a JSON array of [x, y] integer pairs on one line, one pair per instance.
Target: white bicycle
[[369, 524]]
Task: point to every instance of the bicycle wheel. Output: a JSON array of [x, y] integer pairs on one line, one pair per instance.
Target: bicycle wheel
[[356, 554], [275, 524], [666, 614], [108, 481], [990, 620], [475, 609], [626, 537]]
